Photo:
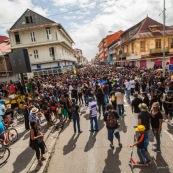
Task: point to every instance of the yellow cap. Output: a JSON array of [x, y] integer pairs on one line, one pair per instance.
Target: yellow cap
[[140, 128]]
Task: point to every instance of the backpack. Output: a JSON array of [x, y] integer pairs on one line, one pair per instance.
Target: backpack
[[113, 97], [112, 120]]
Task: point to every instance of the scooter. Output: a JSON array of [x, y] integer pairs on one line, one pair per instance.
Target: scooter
[[132, 162]]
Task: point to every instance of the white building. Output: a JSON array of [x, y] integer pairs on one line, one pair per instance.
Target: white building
[[49, 45]]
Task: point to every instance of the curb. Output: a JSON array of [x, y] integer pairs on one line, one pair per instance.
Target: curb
[[49, 154]]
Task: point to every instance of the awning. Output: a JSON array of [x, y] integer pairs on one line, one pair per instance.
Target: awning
[[135, 57]]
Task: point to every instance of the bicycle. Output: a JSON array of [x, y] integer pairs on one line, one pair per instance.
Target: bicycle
[[4, 152], [18, 114]]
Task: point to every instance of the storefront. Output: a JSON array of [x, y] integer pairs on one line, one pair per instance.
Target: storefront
[[143, 64]]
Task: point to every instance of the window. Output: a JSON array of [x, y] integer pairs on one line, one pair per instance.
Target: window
[[142, 46], [28, 19], [171, 42], [158, 43], [17, 37], [48, 33], [132, 47], [32, 36], [36, 54], [127, 48], [52, 52]]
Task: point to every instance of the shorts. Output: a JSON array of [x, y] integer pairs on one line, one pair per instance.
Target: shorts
[[111, 133], [64, 112]]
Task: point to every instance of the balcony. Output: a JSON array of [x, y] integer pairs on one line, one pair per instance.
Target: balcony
[[119, 56], [159, 50]]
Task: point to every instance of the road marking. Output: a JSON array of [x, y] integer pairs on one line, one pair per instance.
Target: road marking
[[171, 136]]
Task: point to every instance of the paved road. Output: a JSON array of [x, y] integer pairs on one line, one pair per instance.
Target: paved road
[[22, 156], [90, 152]]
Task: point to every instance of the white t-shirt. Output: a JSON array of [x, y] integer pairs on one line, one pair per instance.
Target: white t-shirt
[[132, 84], [128, 86], [93, 107]]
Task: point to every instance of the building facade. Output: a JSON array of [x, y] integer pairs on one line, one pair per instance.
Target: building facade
[[103, 54], [79, 56], [49, 45], [142, 45]]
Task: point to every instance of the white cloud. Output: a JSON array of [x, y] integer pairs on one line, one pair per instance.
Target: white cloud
[[116, 15], [12, 10], [70, 2]]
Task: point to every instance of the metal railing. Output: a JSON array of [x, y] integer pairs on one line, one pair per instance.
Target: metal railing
[[159, 50]]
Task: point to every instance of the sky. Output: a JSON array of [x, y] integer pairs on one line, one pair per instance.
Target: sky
[[87, 21]]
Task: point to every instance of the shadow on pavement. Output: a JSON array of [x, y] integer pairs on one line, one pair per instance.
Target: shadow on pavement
[[112, 162], [87, 117], [26, 136], [23, 160], [71, 144], [91, 141], [151, 136], [101, 123], [123, 126], [65, 125], [170, 128], [20, 135], [158, 165]]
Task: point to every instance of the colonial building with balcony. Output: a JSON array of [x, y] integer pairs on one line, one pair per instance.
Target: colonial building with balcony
[[79, 56], [49, 45], [142, 45]]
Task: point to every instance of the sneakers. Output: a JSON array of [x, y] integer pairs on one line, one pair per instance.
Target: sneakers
[[80, 131], [148, 161], [120, 145], [112, 147]]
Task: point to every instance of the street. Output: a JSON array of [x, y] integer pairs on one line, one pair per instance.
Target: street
[[88, 152]]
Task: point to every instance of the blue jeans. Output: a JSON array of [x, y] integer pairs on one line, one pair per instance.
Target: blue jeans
[[146, 141], [76, 119], [107, 98], [121, 110], [142, 155], [128, 94], [86, 100], [157, 136], [95, 121]]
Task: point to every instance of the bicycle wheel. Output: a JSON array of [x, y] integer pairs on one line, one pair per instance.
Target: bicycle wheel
[[4, 155], [13, 135], [19, 117]]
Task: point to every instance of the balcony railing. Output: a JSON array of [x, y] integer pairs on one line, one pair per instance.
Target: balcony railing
[[158, 50], [123, 55]]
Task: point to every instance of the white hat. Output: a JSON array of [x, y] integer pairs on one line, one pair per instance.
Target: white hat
[[34, 110]]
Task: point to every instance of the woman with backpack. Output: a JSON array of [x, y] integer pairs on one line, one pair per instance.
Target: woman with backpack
[[111, 118]]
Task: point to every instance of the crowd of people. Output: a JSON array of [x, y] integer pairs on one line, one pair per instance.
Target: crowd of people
[[100, 88]]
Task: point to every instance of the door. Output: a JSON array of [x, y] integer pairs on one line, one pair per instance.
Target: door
[[143, 64]]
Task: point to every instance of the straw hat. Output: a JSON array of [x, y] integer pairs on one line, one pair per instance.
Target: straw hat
[[159, 83], [34, 110], [143, 107], [140, 128]]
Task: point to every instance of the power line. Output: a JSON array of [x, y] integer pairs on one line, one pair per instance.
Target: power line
[[69, 11]]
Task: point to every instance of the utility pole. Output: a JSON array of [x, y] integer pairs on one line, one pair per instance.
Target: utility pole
[[164, 40]]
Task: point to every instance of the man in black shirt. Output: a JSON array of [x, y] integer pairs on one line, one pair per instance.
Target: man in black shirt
[[75, 115], [135, 108], [144, 119]]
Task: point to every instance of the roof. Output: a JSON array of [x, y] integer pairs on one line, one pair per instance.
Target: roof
[[144, 30], [3, 38], [37, 20], [113, 37]]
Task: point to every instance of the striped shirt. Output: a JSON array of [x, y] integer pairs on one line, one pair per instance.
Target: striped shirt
[[93, 107]]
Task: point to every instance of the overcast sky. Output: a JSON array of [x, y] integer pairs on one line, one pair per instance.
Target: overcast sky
[[89, 20]]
